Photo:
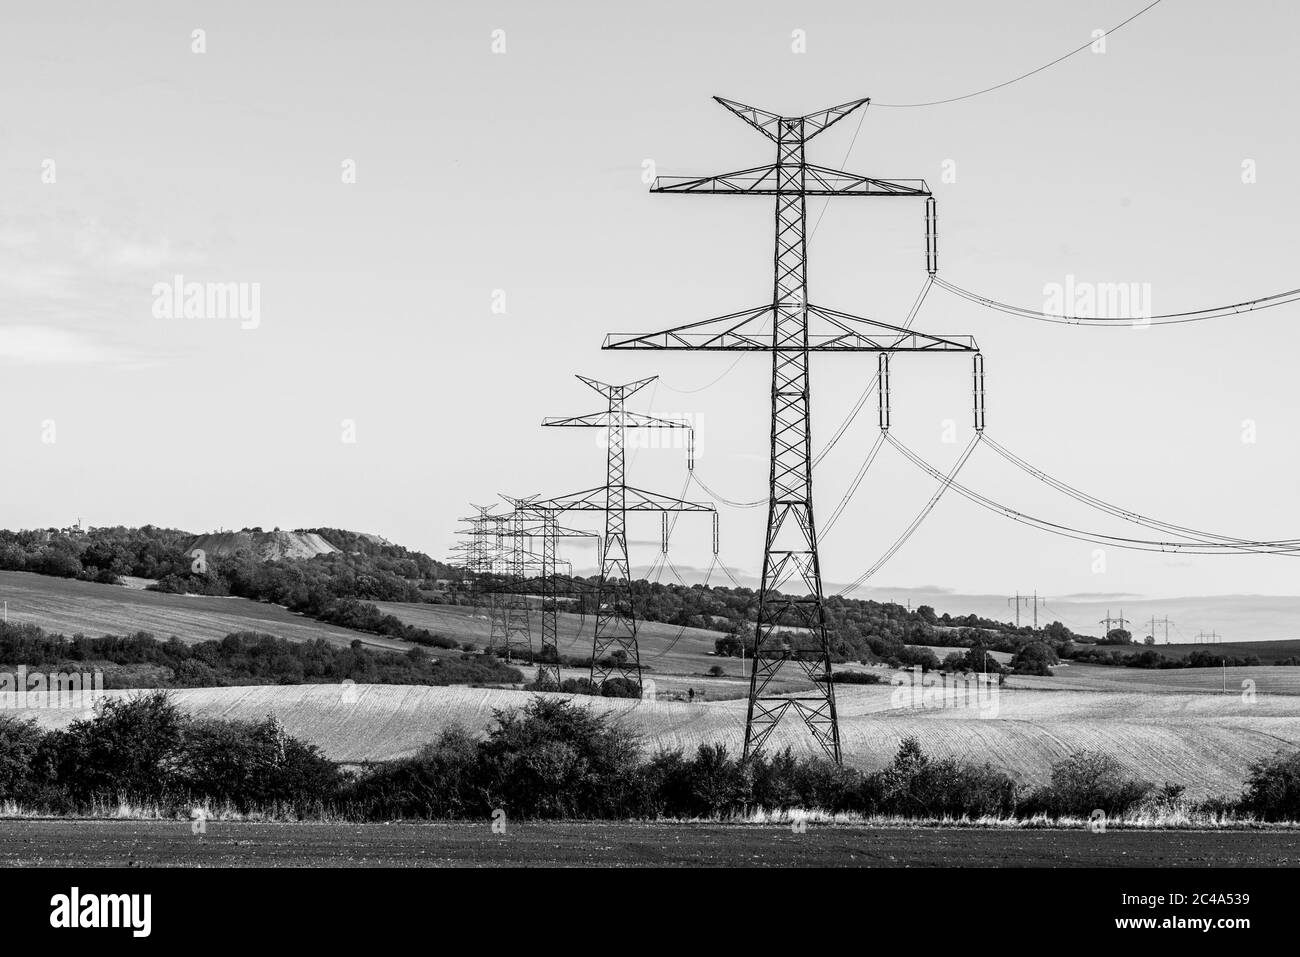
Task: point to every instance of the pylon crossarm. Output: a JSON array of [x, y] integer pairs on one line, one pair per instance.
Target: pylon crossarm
[[767, 181], [610, 391], [732, 332], [639, 420], [835, 332], [766, 123], [589, 500], [769, 124], [814, 123], [824, 181], [756, 181], [637, 500], [630, 420], [852, 326], [593, 420]]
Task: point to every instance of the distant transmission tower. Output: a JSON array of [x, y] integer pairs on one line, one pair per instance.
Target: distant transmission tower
[[542, 522], [1119, 622], [1160, 621], [511, 603], [614, 647], [480, 553], [1020, 599], [793, 626]]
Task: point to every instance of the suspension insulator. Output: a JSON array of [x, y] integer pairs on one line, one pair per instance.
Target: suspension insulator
[[931, 237], [882, 391], [978, 388], [715, 534]]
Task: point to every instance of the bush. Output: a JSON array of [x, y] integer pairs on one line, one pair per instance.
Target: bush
[[1035, 658], [714, 782], [126, 751], [441, 781], [555, 760], [1089, 781], [1273, 787], [916, 785], [20, 742], [728, 646], [855, 678], [252, 764], [144, 750]]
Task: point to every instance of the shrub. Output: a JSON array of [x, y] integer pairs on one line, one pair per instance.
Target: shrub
[[855, 678], [1035, 658], [126, 751], [714, 780], [916, 785], [250, 764], [20, 742], [1089, 781], [553, 759], [1273, 787], [441, 781]]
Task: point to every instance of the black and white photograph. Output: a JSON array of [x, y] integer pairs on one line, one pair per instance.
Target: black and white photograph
[[781, 452]]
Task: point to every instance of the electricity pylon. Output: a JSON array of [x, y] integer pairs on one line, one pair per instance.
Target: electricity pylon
[[614, 647], [1026, 600], [481, 554], [497, 549], [793, 626], [542, 522], [1119, 621]]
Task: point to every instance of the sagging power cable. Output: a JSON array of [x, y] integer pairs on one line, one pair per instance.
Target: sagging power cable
[[1163, 319], [1098, 538], [1022, 76], [945, 482], [1136, 518]]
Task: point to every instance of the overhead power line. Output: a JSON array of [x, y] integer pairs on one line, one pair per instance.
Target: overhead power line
[[1163, 319], [1022, 76], [1127, 515], [1099, 538], [945, 482]]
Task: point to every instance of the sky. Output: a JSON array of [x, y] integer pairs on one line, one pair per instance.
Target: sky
[[441, 209]]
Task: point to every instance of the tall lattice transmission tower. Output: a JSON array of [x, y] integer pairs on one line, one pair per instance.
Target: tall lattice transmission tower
[[791, 625]]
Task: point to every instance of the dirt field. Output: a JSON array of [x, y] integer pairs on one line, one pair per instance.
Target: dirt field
[[160, 844]]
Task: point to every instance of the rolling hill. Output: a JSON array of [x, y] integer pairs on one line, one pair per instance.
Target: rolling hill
[[68, 606]]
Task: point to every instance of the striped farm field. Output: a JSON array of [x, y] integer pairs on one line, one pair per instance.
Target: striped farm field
[[1201, 740], [67, 606]]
